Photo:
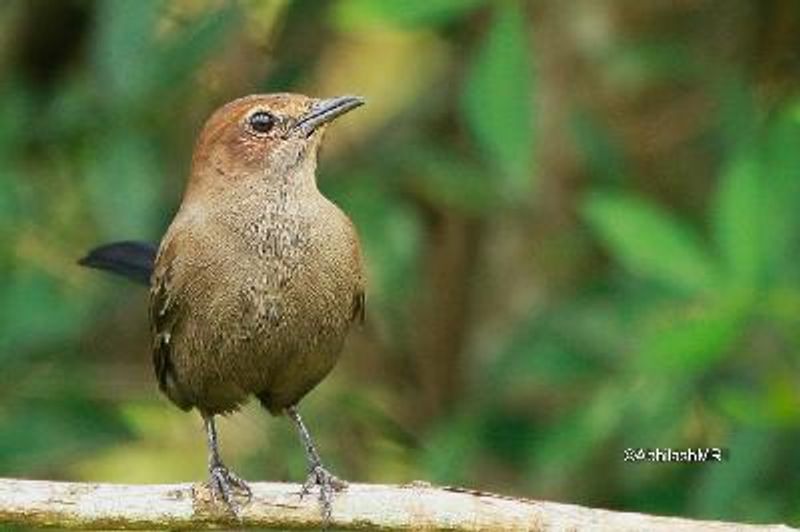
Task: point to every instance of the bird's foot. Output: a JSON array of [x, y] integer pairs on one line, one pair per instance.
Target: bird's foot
[[328, 485], [224, 483]]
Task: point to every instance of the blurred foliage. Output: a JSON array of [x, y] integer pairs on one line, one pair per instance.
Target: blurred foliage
[[581, 223]]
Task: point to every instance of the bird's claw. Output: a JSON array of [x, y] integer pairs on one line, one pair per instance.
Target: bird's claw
[[328, 485], [223, 483]]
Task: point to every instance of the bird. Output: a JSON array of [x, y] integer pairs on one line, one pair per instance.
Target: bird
[[258, 278]]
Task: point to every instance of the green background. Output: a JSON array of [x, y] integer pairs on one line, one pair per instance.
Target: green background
[[581, 221]]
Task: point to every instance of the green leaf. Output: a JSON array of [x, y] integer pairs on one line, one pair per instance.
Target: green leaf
[[602, 151], [34, 313], [737, 218], [648, 63], [123, 46], [390, 234], [774, 404], [176, 61], [659, 409], [691, 342], [719, 491], [650, 243], [409, 13], [18, 106], [497, 99], [738, 115], [80, 425], [571, 441], [132, 64], [564, 346], [123, 184], [781, 171], [452, 448], [445, 178]]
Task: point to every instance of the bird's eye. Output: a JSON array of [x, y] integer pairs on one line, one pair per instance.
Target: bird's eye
[[262, 121]]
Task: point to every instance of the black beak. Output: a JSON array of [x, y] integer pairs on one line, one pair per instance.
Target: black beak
[[324, 111]]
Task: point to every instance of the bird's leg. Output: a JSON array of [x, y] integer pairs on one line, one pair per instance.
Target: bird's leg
[[222, 480], [317, 474]]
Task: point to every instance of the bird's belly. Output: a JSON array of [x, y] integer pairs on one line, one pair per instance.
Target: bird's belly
[[291, 343], [276, 339]]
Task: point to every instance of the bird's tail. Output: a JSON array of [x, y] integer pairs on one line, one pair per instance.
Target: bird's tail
[[133, 260]]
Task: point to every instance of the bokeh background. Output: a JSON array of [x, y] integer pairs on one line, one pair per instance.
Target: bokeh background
[[581, 221]]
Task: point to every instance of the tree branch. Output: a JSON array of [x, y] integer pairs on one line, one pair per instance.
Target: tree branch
[[361, 507]]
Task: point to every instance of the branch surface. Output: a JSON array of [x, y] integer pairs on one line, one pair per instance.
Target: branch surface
[[274, 505]]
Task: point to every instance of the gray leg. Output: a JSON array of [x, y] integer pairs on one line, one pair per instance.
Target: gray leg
[[317, 474], [222, 480]]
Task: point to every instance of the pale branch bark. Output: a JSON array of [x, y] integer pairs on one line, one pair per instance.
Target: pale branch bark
[[414, 506]]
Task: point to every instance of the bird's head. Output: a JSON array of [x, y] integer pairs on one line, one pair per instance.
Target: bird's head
[[264, 136]]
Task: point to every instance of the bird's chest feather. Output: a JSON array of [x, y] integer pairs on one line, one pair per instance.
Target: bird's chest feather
[[287, 272], [276, 245]]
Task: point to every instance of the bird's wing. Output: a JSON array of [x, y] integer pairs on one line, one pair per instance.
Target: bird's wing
[[164, 319], [359, 307]]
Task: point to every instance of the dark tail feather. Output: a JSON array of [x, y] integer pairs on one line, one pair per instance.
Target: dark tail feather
[[133, 260]]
